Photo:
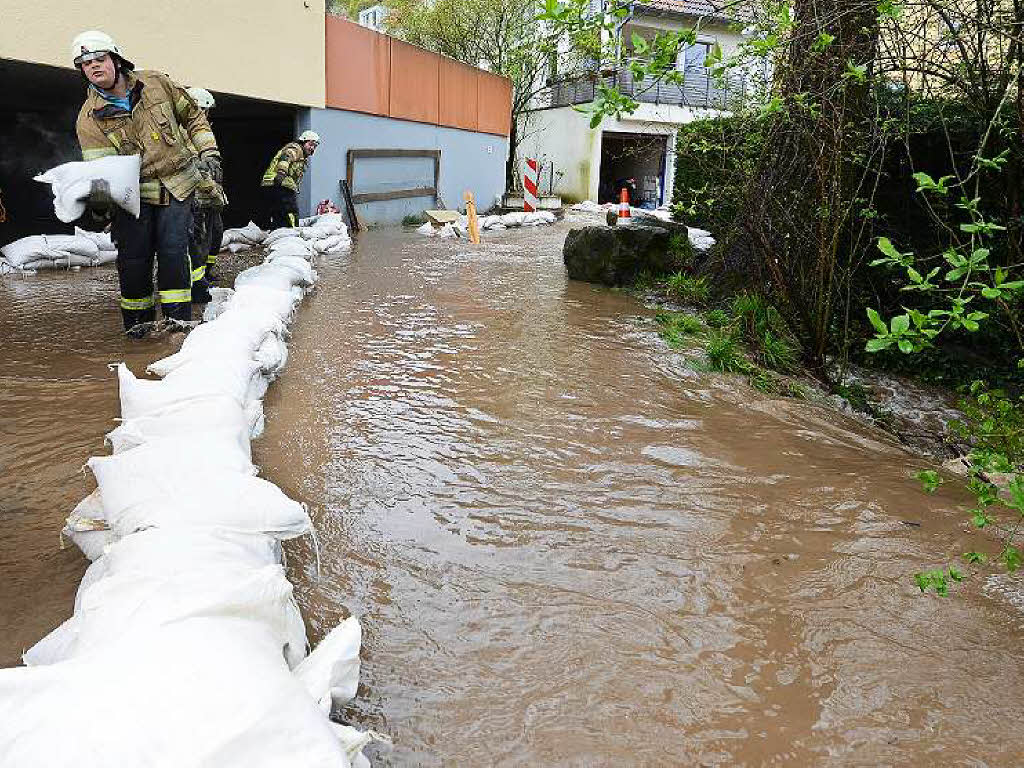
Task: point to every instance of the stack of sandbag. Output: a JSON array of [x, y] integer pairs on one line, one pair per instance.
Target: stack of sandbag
[[82, 249], [242, 238], [328, 234], [460, 227], [186, 646]]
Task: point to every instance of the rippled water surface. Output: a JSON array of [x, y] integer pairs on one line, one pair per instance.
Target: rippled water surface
[[566, 546]]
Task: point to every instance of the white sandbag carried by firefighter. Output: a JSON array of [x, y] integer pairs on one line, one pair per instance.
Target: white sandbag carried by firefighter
[[72, 182], [202, 692]]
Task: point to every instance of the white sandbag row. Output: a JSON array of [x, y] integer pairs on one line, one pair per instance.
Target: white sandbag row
[[186, 646], [460, 227], [82, 249]]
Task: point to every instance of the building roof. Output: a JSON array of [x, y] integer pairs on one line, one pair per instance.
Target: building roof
[[725, 10]]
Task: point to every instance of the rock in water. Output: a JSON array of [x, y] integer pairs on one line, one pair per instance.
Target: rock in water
[[616, 256]]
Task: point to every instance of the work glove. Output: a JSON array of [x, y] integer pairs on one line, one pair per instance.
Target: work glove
[[279, 179], [99, 201], [210, 165]]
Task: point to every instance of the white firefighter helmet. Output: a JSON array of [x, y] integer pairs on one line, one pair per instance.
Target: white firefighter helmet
[[202, 97], [93, 41], [309, 136]]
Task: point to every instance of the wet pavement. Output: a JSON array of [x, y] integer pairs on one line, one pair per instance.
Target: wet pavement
[[566, 547]]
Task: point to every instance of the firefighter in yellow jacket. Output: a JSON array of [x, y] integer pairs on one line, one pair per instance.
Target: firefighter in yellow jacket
[[282, 178], [208, 223], [147, 114]]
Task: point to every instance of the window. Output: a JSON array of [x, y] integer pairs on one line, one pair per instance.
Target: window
[[693, 56], [373, 17]]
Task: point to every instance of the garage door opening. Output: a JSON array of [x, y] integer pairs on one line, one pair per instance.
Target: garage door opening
[[635, 161]]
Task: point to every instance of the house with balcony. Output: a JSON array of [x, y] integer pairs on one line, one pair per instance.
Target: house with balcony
[[584, 163]]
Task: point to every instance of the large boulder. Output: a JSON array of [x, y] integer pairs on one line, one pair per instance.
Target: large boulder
[[616, 256]]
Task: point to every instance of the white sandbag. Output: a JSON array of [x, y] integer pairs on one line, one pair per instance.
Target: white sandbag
[[427, 229], [588, 206], [184, 496], [140, 397], [299, 265], [102, 239], [81, 246], [447, 232], [292, 246], [280, 233], [331, 243], [106, 257], [342, 246], [221, 415], [24, 251], [252, 233], [218, 303], [270, 276], [202, 692], [237, 333], [238, 247], [280, 302], [71, 183], [513, 219], [331, 672], [87, 526], [219, 451], [272, 355], [489, 222], [65, 260]]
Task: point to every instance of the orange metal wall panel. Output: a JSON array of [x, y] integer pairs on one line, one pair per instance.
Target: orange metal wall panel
[[358, 67], [494, 113], [459, 95], [415, 75]]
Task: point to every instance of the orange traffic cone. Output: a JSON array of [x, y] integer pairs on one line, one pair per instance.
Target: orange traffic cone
[[624, 204]]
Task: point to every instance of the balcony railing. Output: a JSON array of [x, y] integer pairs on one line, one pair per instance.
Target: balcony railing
[[699, 89]]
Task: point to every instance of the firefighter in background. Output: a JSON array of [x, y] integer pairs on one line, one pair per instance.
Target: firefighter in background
[[282, 178], [208, 225], [147, 114]]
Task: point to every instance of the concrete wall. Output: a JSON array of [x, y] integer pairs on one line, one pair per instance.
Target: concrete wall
[[469, 161], [270, 49]]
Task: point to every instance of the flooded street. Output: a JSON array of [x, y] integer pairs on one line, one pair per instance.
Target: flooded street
[[566, 546]]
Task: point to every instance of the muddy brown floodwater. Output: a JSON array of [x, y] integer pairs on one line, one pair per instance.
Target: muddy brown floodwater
[[566, 546]]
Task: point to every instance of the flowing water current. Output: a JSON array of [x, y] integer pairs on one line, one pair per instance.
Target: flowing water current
[[566, 546]]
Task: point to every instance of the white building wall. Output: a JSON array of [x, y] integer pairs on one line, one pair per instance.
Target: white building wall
[[564, 136]]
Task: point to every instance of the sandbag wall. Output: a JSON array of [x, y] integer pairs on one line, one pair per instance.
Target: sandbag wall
[[186, 646]]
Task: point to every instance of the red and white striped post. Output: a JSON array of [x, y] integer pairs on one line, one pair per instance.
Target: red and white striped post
[[530, 201]]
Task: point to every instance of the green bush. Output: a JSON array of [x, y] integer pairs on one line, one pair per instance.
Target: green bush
[[772, 343], [724, 353], [677, 327], [413, 220], [688, 289], [717, 318]]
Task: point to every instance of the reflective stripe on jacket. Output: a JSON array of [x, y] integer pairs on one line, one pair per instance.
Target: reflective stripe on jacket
[[290, 161], [163, 123]]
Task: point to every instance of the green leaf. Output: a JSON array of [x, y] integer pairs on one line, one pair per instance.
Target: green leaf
[[877, 321], [905, 346], [877, 345], [974, 558], [991, 293], [1011, 558], [900, 324], [930, 480]]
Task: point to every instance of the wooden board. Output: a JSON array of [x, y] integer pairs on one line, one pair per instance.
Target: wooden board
[[442, 217]]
